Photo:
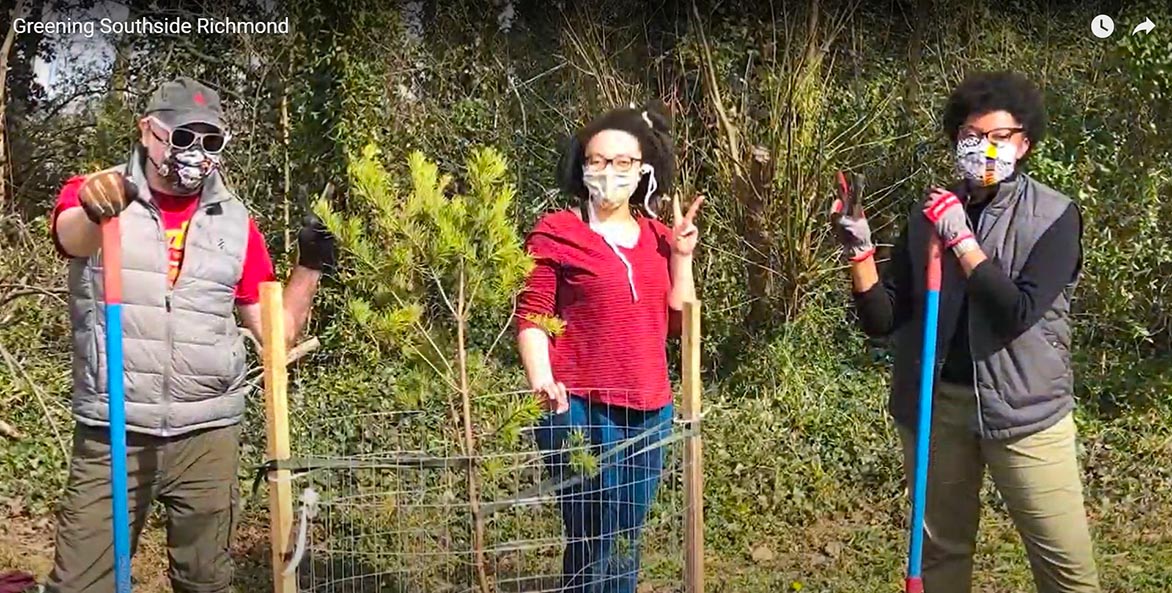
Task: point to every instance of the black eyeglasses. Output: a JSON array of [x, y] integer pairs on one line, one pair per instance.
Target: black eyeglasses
[[621, 163], [183, 138], [994, 135]]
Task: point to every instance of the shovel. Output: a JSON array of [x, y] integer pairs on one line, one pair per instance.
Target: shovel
[[112, 282], [914, 582]]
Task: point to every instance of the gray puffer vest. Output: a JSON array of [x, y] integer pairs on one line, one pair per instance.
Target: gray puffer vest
[[1023, 386], [183, 357]]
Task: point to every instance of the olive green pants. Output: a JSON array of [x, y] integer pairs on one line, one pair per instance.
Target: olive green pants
[[193, 476], [1037, 476]]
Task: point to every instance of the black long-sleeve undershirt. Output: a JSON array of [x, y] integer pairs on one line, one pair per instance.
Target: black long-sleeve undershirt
[[1012, 306]]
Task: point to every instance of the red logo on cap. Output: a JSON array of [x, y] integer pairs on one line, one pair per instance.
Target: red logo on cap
[[199, 100]]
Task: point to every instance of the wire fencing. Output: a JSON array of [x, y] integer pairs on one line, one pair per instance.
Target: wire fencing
[[593, 496]]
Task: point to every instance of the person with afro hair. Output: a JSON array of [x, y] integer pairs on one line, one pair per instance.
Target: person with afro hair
[[1004, 395], [617, 278]]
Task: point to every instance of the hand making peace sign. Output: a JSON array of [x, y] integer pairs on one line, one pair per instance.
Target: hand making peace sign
[[684, 233]]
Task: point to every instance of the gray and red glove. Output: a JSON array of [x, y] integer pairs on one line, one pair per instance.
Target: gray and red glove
[[946, 212], [849, 222]]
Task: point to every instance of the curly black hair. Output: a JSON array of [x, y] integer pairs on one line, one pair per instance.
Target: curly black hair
[[985, 92], [651, 127]]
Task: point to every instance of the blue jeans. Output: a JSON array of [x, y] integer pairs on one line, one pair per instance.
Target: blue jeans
[[604, 513]]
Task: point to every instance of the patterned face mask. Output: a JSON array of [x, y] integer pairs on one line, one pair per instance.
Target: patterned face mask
[[985, 163], [609, 189], [189, 168]]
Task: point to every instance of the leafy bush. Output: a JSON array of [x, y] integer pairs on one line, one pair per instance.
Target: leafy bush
[[796, 434]]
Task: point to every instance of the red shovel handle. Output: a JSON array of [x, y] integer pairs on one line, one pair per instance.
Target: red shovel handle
[[112, 260]]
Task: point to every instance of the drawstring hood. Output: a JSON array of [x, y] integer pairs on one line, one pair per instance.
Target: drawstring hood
[[618, 252], [626, 264]]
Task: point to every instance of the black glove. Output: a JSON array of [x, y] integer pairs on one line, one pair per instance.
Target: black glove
[[316, 246]]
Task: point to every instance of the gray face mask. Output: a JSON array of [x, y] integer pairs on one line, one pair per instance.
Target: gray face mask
[[610, 189], [187, 169]]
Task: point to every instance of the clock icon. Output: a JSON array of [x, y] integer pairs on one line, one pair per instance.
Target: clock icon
[[1102, 26]]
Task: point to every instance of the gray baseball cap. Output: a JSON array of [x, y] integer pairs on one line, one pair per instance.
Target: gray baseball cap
[[184, 101]]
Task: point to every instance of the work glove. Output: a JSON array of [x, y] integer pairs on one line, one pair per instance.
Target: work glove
[[946, 212], [316, 246], [849, 222], [105, 195]]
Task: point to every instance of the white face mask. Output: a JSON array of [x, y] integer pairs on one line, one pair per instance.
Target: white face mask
[[985, 163], [609, 190]]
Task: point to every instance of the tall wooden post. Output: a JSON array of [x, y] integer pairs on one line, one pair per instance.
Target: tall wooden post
[[693, 455], [272, 312]]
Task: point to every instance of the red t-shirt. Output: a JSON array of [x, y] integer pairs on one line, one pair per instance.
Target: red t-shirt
[[614, 347], [176, 214]]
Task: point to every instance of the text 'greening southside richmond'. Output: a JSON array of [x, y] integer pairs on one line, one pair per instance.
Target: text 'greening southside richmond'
[[144, 26]]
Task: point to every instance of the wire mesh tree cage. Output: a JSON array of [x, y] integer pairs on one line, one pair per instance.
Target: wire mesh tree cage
[[600, 495]]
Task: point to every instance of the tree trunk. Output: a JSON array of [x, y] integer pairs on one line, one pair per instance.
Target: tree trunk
[[923, 9], [751, 174], [6, 49], [470, 446], [812, 41], [285, 141], [751, 190]]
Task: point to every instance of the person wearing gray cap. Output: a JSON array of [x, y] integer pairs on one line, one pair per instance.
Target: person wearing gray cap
[[192, 260]]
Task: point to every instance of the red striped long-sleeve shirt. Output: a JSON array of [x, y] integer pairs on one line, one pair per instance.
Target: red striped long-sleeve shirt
[[617, 319]]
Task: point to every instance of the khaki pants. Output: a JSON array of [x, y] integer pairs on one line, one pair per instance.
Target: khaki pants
[[1039, 479], [193, 476]]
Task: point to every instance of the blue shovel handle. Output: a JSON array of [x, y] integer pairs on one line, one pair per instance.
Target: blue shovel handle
[[914, 582], [112, 287]]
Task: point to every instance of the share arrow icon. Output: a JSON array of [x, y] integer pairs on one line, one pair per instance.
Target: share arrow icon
[[1144, 27]]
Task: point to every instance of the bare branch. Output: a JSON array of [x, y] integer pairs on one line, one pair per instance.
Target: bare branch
[[23, 290], [731, 136], [17, 370], [63, 102], [501, 334]]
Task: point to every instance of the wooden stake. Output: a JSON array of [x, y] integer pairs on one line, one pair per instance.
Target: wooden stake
[[272, 316], [693, 455]]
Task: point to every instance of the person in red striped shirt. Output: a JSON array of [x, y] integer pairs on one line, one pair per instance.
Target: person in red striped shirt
[[617, 278]]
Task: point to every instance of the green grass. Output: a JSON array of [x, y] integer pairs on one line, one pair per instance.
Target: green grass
[[861, 546], [849, 554], [801, 465], [848, 557]]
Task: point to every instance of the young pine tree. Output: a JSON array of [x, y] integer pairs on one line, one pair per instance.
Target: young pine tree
[[424, 264]]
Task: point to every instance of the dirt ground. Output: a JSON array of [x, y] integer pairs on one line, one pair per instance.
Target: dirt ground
[[26, 544], [1133, 542]]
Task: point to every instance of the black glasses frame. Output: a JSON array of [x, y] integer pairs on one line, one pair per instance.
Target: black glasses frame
[[974, 133], [608, 162]]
